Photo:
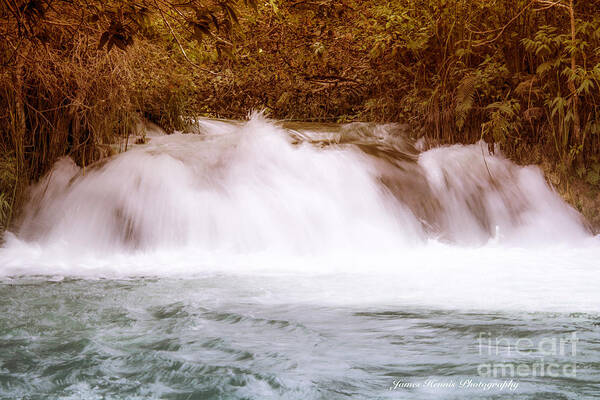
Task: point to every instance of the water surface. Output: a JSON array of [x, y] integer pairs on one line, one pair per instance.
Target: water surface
[[256, 261]]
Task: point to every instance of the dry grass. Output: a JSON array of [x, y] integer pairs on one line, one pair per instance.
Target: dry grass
[[71, 99]]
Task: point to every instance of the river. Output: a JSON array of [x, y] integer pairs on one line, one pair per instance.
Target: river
[[259, 260]]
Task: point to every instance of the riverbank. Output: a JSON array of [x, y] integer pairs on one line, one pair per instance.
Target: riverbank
[[577, 192]]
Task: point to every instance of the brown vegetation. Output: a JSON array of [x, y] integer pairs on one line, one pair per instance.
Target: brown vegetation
[[76, 76]]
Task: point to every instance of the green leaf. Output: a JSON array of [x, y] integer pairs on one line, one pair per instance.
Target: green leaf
[[593, 177], [465, 97], [585, 86], [543, 68]]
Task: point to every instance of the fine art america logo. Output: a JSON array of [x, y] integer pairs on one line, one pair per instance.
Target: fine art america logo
[[538, 357], [517, 358]]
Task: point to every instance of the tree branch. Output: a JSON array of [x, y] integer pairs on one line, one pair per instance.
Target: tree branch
[[179, 43]]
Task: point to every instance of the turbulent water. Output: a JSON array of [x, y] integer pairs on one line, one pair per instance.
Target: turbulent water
[[257, 260]]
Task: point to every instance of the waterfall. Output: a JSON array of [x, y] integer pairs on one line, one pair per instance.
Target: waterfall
[[239, 190]]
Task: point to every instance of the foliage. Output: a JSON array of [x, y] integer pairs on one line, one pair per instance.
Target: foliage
[[77, 75], [453, 69], [8, 178]]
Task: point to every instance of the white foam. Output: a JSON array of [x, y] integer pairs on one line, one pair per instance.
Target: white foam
[[242, 199]]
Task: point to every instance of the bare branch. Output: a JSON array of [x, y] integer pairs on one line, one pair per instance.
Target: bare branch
[[506, 26], [179, 43]]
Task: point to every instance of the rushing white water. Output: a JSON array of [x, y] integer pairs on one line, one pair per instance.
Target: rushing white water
[[261, 261], [356, 205]]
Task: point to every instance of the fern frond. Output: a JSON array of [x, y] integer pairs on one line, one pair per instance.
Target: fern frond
[[464, 99]]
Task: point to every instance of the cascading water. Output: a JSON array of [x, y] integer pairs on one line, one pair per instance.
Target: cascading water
[[246, 188], [345, 256]]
